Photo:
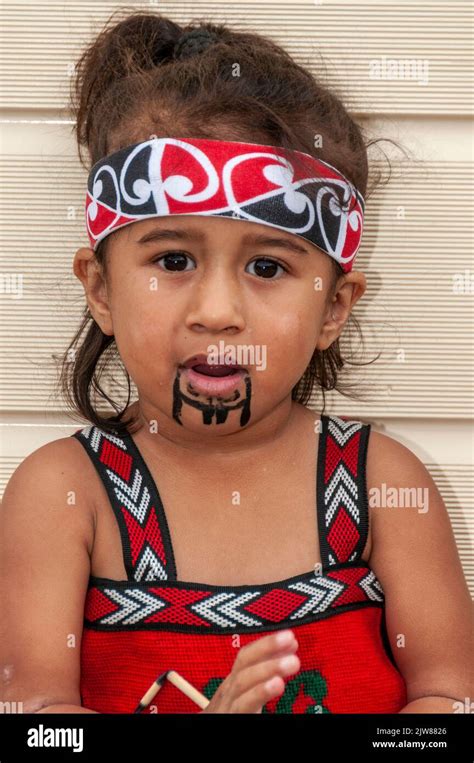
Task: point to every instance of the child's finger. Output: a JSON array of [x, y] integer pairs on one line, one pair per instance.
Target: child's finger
[[265, 648], [254, 699], [247, 679]]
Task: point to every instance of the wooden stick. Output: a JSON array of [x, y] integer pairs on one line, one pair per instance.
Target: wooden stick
[[187, 688], [150, 693], [177, 680]]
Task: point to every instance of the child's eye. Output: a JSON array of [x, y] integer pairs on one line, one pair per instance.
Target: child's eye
[[266, 268], [176, 261]]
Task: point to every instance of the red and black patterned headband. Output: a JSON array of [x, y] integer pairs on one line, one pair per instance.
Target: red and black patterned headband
[[270, 185]]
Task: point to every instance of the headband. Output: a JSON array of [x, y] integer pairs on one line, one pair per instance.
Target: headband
[[270, 185]]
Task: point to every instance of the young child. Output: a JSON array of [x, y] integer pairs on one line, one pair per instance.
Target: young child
[[217, 526]]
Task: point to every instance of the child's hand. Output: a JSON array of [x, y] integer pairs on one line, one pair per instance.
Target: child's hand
[[257, 675]]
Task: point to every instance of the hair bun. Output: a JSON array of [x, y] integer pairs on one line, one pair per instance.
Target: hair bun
[[193, 42]]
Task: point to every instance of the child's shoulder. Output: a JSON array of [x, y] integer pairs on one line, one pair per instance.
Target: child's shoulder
[[408, 517], [388, 460], [48, 481], [386, 456], [53, 459], [400, 492], [396, 478]]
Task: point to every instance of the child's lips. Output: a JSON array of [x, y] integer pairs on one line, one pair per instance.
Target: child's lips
[[208, 384], [208, 370]]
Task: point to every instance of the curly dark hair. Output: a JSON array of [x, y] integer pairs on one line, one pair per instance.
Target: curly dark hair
[[145, 74]]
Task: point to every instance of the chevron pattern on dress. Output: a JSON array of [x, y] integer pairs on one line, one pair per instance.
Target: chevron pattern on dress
[[194, 607], [343, 474], [131, 498]]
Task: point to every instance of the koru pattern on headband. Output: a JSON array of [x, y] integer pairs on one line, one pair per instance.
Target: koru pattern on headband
[[288, 190]]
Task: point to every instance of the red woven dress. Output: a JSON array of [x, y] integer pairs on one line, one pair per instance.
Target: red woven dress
[[135, 629]]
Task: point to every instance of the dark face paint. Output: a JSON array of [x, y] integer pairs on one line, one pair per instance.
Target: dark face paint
[[213, 406]]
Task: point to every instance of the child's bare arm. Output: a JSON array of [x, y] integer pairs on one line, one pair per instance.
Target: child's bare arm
[[414, 555], [46, 536]]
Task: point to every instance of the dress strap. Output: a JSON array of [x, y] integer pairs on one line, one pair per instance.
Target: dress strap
[[146, 546], [343, 509]]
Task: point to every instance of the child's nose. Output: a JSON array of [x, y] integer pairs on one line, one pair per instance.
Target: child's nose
[[217, 306]]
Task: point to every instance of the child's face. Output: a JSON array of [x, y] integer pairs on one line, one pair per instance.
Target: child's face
[[221, 290]]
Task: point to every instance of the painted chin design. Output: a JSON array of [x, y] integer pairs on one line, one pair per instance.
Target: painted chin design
[[215, 396]]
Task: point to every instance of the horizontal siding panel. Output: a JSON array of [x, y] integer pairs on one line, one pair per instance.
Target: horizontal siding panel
[[411, 305], [39, 41]]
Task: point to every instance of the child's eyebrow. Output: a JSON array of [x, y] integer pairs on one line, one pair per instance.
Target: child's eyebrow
[[159, 234]]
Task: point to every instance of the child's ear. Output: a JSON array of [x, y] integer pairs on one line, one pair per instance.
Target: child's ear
[[348, 292], [88, 270]]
